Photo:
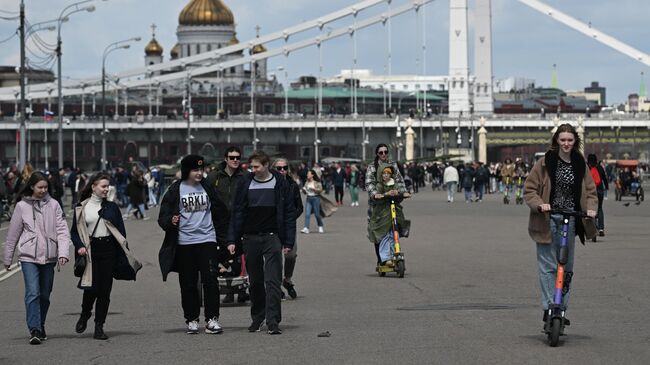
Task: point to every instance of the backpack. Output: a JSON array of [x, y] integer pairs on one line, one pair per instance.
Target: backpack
[[596, 176]]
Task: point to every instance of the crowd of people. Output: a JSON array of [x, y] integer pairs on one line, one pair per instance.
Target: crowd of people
[[212, 215]]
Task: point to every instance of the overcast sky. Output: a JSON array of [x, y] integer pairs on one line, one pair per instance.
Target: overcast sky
[[525, 43]]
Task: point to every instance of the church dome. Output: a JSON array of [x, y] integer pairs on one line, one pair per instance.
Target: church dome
[[206, 12], [175, 51], [153, 48], [258, 49]]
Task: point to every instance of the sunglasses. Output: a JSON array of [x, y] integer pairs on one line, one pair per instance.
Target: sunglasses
[[382, 152], [234, 158], [280, 168]]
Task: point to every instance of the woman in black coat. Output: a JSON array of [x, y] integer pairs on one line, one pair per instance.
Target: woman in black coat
[[98, 230], [135, 191]]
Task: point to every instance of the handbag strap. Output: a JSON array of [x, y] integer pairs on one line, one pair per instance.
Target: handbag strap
[[99, 218]]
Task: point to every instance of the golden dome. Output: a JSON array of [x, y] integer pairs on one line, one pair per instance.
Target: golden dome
[[206, 12], [153, 48], [175, 51], [258, 49]]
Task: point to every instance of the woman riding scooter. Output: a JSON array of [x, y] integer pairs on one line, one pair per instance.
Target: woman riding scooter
[[380, 223]]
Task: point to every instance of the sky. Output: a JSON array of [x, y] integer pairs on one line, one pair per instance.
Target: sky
[[525, 42]]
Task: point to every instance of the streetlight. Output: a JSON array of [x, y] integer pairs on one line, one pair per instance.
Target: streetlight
[[110, 48], [63, 17]]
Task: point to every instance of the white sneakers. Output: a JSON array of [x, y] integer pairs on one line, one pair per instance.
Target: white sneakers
[[306, 230], [354, 204], [213, 327], [192, 327]]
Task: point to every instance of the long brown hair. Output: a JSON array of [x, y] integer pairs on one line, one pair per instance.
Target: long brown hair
[[34, 179], [566, 128], [88, 188]]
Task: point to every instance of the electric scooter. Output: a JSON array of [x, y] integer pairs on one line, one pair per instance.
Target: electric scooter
[[555, 321], [519, 194], [506, 191], [397, 264]]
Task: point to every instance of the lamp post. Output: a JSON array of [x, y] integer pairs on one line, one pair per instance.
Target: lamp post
[[110, 48], [63, 17]]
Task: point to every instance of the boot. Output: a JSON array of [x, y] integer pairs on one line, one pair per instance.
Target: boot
[[99, 332], [80, 327]]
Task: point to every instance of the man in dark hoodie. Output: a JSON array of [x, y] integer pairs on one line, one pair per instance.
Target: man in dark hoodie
[[224, 180]]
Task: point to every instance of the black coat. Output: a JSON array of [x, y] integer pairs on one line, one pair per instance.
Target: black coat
[[297, 199], [109, 212], [135, 191], [285, 210], [169, 207]]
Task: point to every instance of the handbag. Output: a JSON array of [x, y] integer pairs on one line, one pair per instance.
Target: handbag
[[80, 261]]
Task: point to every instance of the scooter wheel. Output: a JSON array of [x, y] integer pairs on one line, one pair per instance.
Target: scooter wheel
[[554, 335], [400, 268]]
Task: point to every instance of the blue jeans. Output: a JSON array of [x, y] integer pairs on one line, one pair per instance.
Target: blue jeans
[[140, 209], [38, 286], [547, 260], [451, 190], [313, 206], [468, 194]]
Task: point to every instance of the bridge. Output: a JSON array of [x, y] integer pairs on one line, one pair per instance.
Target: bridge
[[470, 97]]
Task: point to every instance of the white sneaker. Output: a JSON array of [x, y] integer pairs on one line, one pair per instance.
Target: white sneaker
[[213, 327], [320, 230], [192, 327], [305, 230]]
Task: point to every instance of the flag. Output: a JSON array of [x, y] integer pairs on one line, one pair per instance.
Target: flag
[[48, 115]]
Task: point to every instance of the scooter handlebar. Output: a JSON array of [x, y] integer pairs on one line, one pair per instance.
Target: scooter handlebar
[[566, 212]]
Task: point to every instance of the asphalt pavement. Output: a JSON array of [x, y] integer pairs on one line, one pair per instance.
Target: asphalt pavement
[[470, 296]]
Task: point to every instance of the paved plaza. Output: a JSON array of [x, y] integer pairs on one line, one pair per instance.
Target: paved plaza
[[470, 296]]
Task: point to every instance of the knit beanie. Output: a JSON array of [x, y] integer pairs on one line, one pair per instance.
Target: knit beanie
[[189, 163]]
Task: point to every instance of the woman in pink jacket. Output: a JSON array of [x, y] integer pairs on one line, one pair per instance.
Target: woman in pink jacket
[[41, 235]]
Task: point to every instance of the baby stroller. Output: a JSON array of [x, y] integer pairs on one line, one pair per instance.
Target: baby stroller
[[233, 278]]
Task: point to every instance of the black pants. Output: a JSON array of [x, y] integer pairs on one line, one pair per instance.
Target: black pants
[[338, 193], [416, 186], [190, 260], [290, 262], [264, 265], [103, 256]]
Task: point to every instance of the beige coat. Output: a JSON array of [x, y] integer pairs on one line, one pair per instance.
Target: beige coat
[[537, 191]]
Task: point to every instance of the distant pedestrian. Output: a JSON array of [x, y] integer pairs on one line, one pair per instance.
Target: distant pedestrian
[[135, 191], [281, 165], [39, 231], [313, 189], [192, 216], [338, 180], [264, 223], [450, 180], [600, 180], [98, 234], [468, 182], [354, 185]]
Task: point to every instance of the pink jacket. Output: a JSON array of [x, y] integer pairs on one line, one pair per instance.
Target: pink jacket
[[39, 230]]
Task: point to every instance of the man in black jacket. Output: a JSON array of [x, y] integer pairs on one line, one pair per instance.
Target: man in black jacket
[[281, 165], [263, 222], [224, 180]]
